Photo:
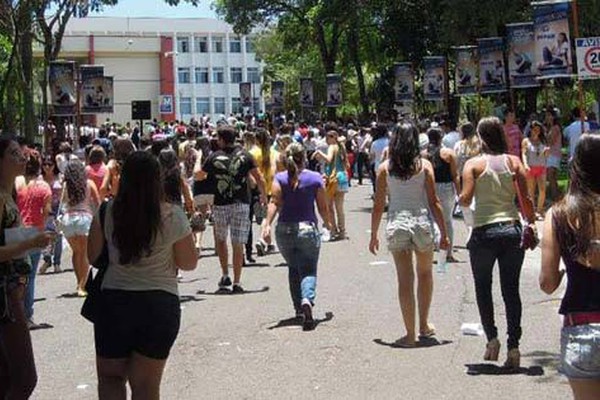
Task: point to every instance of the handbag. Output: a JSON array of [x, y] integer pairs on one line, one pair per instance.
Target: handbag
[[93, 285], [529, 236]]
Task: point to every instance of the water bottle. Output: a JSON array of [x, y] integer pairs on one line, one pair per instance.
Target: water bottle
[[442, 264]]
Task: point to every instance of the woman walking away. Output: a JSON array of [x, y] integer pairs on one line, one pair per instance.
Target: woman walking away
[[294, 194], [411, 185], [266, 160], [79, 201], [555, 156], [337, 182], [535, 154], [490, 179], [203, 188], [572, 232], [465, 149], [17, 366], [52, 254], [446, 181], [34, 198], [139, 290], [96, 169], [110, 184]]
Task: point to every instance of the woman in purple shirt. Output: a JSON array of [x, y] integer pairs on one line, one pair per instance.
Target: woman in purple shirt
[[293, 195]]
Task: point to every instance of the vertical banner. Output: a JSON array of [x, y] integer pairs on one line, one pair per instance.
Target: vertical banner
[[108, 101], [307, 95], [552, 41], [61, 81], [465, 76], [94, 96], [588, 58], [165, 104], [334, 90], [434, 79], [492, 73], [404, 85], [277, 90], [521, 54], [246, 94]]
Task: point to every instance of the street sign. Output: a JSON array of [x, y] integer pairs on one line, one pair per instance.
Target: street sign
[[588, 58]]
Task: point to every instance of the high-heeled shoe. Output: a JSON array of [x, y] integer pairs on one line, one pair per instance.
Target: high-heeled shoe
[[492, 349], [513, 359]]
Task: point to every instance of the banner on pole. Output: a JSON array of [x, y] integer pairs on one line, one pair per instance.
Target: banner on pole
[[465, 76], [434, 78], [96, 90], [492, 74], [277, 90], [165, 104], [307, 95], [246, 94], [588, 58], [552, 41], [61, 80], [522, 70], [334, 90], [404, 85]]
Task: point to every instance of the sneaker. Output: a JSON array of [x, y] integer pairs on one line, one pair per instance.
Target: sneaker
[[270, 248], [44, 268], [237, 289], [261, 248], [250, 259], [309, 322], [225, 282]]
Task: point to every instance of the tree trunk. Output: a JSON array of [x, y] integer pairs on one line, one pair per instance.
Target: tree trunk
[[26, 53], [353, 46]]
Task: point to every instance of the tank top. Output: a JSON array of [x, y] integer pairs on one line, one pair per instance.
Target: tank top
[[535, 154], [495, 193], [407, 195], [442, 171], [83, 207]]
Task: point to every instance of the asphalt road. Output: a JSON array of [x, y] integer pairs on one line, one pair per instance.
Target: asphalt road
[[242, 347]]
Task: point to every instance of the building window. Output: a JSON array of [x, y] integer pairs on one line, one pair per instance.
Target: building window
[[253, 75], [235, 45], [217, 44], [236, 75], [202, 105], [185, 105], [250, 45], [236, 105], [219, 105], [201, 75], [218, 75], [183, 45], [183, 75], [201, 44]]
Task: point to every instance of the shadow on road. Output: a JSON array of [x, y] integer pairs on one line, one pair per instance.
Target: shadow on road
[[192, 280], [39, 299], [492, 369], [188, 298], [228, 292], [281, 264], [257, 265], [422, 343], [72, 295], [297, 321]]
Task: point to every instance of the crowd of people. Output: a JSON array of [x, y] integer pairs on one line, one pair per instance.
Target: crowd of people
[[172, 181]]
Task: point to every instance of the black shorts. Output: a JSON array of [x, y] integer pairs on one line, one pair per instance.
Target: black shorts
[[143, 322]]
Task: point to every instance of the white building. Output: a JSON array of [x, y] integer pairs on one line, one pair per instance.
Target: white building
[[196, 62]]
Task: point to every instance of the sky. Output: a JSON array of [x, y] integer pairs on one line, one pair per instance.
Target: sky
[[157, 8]]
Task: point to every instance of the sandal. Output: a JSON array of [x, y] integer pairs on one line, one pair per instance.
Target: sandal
[[404, 343], [429, 332], [451, 259]]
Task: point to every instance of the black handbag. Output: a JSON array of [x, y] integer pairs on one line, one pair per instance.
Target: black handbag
[[93, 285]]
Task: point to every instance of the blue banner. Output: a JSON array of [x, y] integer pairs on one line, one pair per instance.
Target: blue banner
[[522, 68], [465, 76], [434, 79], [404, 85], [552, 42], [492, 71]]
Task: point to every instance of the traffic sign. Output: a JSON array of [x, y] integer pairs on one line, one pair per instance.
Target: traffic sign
[[588, 58]]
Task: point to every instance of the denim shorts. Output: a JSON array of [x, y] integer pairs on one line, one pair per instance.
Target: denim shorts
[[580, 351], [408, 231], [75, 224]]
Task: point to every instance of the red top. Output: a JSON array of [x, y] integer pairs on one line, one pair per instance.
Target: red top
[[31, 200], [96, 173]]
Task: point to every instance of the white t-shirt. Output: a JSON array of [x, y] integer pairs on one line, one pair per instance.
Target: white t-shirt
[[156, 271], [573, 133], [377, 148], [450, 139]]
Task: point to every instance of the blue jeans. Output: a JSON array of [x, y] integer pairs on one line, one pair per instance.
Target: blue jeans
[[53, 252], [34, 258], [498, 242], [300, 244]]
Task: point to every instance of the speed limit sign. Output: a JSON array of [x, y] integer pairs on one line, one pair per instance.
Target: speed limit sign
[[588, 58]]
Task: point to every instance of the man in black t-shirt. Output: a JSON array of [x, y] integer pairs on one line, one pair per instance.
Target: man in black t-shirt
[[229, 168]]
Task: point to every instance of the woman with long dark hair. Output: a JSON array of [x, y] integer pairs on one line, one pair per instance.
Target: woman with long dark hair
[[17, 365], [79, 201], [572, 232], [493, 180], [110, 185], [410, 182], [139, 291], [294, 195], [534, 156], [96, 169], [52, 254], [555, 154], [203, 188], [445, 171]]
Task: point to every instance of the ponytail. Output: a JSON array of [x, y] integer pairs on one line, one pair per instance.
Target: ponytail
[[294, 159]]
